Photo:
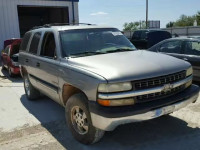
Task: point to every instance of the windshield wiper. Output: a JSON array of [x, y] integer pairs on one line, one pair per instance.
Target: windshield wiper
[[87, 53], [119, 50]]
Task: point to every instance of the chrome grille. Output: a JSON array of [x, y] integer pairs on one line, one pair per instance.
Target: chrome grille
[[156, 82]]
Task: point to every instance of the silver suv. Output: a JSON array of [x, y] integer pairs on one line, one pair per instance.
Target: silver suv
[[101, 79]]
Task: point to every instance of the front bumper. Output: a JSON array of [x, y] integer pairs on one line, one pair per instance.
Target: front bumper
[[108, 119]]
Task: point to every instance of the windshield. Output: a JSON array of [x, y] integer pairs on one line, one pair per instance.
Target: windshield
[[94, 41]]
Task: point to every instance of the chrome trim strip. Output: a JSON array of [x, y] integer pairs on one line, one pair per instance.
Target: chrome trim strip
[[141, 92], [109, 124]]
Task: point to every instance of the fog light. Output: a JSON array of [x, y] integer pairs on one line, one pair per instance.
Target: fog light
[[119, 102]]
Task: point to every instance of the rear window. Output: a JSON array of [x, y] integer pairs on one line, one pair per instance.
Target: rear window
[[25, 41], [34, 43]]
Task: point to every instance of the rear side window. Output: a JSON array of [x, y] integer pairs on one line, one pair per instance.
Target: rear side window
[[192, 48], [34, 43], [25, 41], [171, 47]]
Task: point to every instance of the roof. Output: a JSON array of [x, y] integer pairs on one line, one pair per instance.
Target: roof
[[150, 30], [184, 38], [63, 27]]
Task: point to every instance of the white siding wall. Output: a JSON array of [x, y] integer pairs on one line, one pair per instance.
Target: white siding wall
[[9, 24]]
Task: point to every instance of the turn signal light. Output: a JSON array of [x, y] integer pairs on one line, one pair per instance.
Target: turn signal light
[[119, 102]]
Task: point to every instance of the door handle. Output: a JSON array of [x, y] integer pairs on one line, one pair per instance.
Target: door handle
[[38, 64], [185, 59], [26, 60]]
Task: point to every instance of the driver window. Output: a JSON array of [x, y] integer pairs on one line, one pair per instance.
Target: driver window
[[171, 47], [48, 46]]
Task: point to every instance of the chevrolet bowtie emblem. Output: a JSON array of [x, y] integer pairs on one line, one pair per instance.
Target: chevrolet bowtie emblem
[[167, 88]]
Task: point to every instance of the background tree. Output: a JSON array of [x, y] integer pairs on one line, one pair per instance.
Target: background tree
[[170, 24], [184, 21], [132, 26]]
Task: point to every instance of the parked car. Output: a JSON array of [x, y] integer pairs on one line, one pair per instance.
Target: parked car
[[101, 79], [187, 49], [144, 39], [9, 58], [9, 42]]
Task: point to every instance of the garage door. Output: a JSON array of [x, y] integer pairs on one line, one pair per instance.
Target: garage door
[[30, 17]]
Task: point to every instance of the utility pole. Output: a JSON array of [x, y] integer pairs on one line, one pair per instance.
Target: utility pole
[[147, 12], [73, 13]]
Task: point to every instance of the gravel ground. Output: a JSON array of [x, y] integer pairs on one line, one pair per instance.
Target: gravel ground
[[41, 125]]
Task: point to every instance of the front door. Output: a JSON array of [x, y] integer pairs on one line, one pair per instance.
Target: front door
[[47, 66]]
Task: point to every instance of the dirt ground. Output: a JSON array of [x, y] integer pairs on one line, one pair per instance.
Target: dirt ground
[[41, 125]]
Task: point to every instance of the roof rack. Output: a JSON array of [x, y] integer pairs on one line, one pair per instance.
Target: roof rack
[[60, 24]]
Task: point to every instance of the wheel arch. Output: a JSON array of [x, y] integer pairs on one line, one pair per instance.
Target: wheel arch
[[68, 91], [23, 71]]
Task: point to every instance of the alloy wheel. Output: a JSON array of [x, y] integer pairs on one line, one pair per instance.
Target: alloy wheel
[[79, 120]]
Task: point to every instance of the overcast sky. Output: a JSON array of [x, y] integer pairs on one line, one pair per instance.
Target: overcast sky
[[117, 12]]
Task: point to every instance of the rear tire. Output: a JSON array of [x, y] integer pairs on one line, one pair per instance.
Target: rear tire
[[79, 120], [31, 92]]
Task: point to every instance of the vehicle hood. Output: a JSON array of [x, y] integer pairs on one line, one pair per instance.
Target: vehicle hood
[[130, 66]]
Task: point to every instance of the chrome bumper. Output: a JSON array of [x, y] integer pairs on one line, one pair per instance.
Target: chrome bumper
[[109, 124]]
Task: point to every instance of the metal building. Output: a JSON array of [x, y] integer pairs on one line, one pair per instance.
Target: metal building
[[19, 16]]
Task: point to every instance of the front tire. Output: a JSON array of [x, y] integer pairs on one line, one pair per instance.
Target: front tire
[[31, 92], [79, 120]]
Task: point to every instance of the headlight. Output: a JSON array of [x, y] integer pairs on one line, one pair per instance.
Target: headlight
[[189, 72], [118, 87]]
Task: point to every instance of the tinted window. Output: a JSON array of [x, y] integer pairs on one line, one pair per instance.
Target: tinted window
[[171, 47], [48, 45], [25, 41], [144, 35], [15, 49], [34, 43], [137, 35], [192, 48]]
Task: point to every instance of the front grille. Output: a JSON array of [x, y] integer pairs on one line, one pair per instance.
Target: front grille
[[159, 81], [156, 82]]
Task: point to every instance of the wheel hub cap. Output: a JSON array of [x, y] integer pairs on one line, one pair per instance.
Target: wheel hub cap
[[79, 120]]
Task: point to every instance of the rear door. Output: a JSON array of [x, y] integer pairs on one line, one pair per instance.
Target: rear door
[[192, 55], [47, 66]]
